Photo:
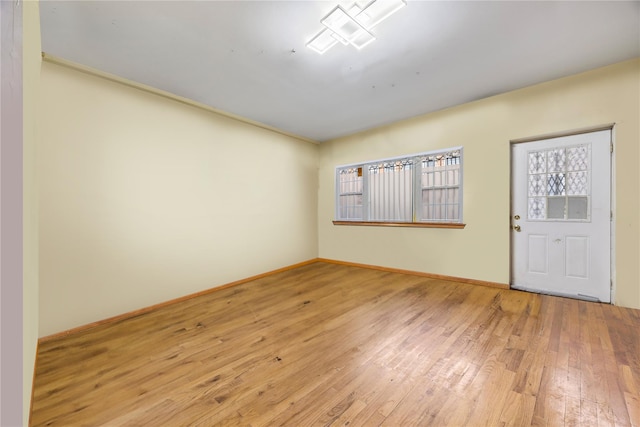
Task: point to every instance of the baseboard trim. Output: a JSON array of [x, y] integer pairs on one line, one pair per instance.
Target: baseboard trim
[[419, 273], [145, 310]]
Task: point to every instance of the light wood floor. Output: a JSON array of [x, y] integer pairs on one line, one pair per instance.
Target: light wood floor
[[326, 344]]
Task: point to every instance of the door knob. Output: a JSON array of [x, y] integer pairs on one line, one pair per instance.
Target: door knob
[[517, 228]]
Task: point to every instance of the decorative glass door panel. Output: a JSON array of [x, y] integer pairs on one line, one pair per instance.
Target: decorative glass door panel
[[561, 204], [559, 185]]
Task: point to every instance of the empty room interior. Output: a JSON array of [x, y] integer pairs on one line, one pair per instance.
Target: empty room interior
[[302, 213]]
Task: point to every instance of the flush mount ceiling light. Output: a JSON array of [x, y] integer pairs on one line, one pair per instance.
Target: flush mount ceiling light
[[353, 27], [323, 41], [346, 29], [378, 11]]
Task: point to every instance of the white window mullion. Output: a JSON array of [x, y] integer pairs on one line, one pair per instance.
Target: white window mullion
[[416, 215], [365, 193], [385, 197]]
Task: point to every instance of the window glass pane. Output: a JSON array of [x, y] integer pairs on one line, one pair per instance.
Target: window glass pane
[[426, 197], [351, 180], [555, 160], [427, 212], [350, 185], [441, 186], [578, 184], [351, 207], [536, 185], [439, 178], [537, 208], [555, 207], [431, 180], [578, 208], [537, 163], [578, 158], [452, 211], [556, 184]]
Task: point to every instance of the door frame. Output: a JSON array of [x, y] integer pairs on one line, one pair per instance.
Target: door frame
[[612, 194]]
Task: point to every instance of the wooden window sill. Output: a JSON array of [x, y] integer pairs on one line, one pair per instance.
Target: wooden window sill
[[404, 224]]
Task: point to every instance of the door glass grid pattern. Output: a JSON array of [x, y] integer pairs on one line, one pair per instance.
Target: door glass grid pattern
[[559, 183], [556, 184]]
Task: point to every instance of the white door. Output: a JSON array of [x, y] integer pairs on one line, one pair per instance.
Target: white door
[[561, 216]]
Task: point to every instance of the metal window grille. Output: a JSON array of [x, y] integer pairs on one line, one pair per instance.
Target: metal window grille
[[350, 186], [440, 187]]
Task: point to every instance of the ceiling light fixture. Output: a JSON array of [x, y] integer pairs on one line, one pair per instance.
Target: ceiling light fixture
[[378, 11], [353, 26], [323, 41], [346, 28]]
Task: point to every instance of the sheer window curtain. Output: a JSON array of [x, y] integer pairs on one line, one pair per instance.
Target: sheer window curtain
[[390, 191]]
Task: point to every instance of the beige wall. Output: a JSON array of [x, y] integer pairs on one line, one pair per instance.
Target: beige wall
[[31, 81], [144, 199], [484, 128]]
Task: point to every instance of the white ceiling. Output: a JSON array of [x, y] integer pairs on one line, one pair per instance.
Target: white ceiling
[[249, 57]]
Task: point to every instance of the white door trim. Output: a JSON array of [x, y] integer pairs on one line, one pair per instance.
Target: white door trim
[[551, 135]]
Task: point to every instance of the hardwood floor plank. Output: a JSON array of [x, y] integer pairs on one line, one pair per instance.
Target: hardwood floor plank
[[517, 410], [456, 411], [349, 415], [633, 405], [385, 398], [329, 344], [605, 415], [572, 411], [588, 413], [630, 383]]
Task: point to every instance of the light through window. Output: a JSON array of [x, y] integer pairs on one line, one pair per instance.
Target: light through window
[[425, 187]]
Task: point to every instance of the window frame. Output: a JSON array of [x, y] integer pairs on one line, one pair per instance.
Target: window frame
[[416, 192]]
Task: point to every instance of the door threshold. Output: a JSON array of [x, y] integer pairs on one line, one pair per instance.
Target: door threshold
[[557, 294]]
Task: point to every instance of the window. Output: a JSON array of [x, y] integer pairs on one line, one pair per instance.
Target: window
[[559, 184], [420, 188]]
